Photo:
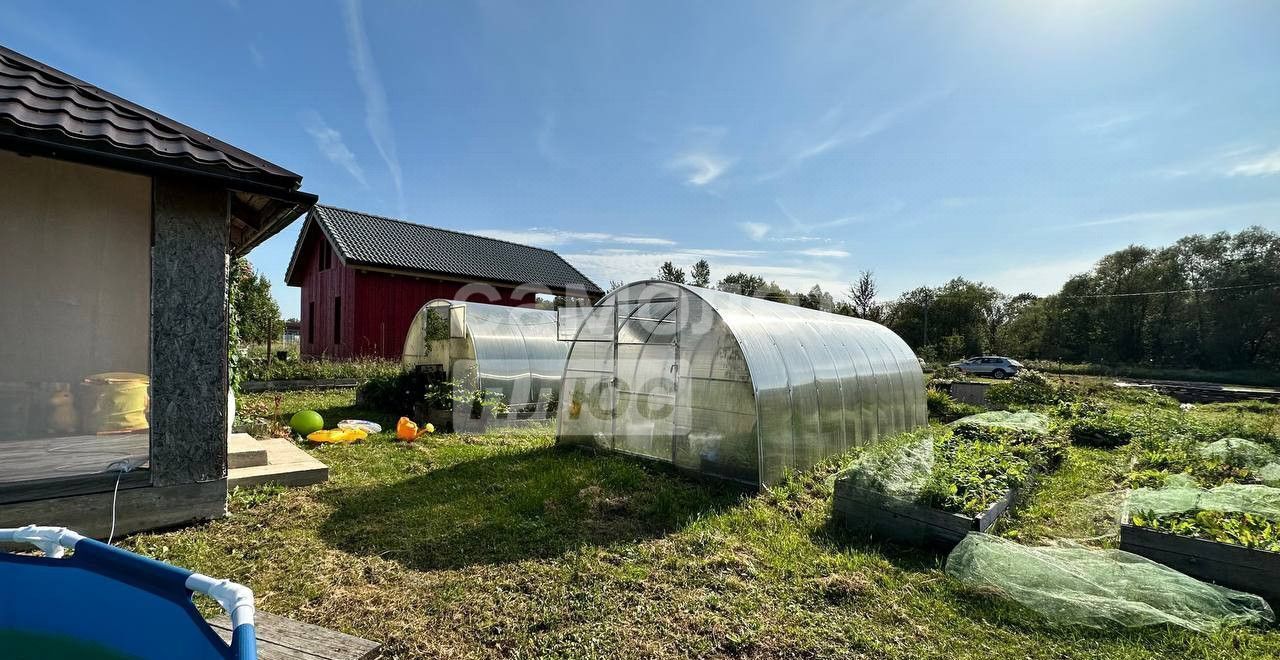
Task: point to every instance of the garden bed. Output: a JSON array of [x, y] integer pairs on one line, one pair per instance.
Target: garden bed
[[933, 486], [904, 521], [1251, 570], [298, 384]]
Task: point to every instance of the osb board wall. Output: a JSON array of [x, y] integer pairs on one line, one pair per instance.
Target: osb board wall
[[74, 263], [189, 333]]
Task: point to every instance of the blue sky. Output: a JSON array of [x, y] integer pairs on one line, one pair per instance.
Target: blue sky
[[1013, 143]]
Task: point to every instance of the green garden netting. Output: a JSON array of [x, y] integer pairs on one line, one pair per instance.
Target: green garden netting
[[1022, 420], [1270, 475], [1180, 498], [899, 469], [1075, 585], [1238, 452]]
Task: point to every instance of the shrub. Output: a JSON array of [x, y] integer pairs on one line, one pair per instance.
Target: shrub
[[1027, 388], [317, 369], [948, 373], [945, 408], [1146, 479], [1027, 435], [1080, 409], [1104, 431], [396, 394]]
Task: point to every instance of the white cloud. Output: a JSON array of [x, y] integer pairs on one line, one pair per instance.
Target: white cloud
[[1177, 216], [377, 116], [605, 265], [702, 253], [823, 253], [550, 237], [700, 167], [1106, 120], [258, 60], [849, 133], [1264, 165], [1238, 159], [330, 143], [756, 230], [544, 139], [808, 227], [1040, 279]]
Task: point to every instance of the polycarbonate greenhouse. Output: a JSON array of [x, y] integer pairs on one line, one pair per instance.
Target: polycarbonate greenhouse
[[509, 351], [731, 386]]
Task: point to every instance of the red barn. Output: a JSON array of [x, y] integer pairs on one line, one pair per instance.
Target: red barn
[[363, 278]]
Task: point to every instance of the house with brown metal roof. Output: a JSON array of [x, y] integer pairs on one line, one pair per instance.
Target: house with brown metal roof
[[117, 228], [364, 277]]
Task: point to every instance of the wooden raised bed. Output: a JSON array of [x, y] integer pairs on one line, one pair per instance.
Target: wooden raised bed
[[892, 518], [287, 385], [1233, 566]]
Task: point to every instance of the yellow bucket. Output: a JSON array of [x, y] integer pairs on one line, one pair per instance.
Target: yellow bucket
[[116, 402]]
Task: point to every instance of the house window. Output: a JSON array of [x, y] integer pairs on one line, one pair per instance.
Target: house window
[[75, 263], [337, 320], [326, 255], [311, 322]]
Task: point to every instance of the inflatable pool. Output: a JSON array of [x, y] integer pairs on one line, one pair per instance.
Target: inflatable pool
[[107, 603]]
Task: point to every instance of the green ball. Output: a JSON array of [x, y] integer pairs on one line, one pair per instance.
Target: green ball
[[306, 422]]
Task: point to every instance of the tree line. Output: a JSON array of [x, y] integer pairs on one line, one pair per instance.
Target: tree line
[[1207, 301]]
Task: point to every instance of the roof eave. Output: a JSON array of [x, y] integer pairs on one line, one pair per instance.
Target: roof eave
[[289, 211], [47, 144], [296, 202], [592, 289]]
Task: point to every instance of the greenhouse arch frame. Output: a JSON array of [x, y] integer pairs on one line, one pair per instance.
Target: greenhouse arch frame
[[511, 351], [735, 387]]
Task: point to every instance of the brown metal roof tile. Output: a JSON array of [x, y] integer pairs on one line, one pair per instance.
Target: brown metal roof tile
[[372, 240], [40, 103]]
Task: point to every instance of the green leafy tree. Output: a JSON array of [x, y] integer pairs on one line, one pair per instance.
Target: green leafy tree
[[743, 284], [862, 298], [669, 273], [701, 273], [815, 299], [1206, 301], [956, 309], [256, 312]]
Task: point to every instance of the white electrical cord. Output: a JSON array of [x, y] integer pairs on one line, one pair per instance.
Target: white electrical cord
[[112, 535], [120, 466]]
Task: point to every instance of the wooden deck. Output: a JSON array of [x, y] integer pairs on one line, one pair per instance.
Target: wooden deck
[[50, 458], [44, 468], [274, 461], [285, 639]]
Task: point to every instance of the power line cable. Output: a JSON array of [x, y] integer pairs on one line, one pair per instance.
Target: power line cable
[[1260, 285]]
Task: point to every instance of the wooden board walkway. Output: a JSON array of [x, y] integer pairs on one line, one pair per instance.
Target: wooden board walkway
[[273, 461], [280, 638]]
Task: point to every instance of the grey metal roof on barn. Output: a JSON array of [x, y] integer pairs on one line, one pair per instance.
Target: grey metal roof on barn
[[42, 106], [363, 239]]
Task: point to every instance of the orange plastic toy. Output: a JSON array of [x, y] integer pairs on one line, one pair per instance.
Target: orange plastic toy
[[408, 431]]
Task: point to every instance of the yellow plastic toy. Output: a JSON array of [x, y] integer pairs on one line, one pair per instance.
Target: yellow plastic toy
[[338, 436]]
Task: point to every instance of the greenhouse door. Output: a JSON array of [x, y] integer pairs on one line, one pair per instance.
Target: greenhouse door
[[646, 375]]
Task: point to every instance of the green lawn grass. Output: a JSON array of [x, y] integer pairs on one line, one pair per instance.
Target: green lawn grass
[[504, 545]]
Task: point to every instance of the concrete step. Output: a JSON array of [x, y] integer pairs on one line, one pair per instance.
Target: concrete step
[[287, 465], [245, 451]]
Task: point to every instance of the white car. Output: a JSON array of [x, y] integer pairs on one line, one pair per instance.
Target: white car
[[989, 365]]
